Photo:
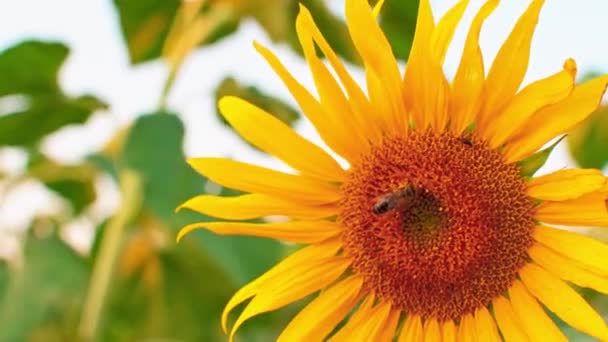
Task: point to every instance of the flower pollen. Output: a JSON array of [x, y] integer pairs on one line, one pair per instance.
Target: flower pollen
[[456, 232]]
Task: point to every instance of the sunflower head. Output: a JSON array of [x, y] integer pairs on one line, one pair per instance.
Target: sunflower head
[[432, 231]]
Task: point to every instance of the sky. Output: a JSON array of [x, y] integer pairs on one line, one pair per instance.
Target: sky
[[98, 64]]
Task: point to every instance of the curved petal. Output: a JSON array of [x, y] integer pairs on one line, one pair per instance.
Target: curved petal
[[466, 329], [251, 206], [448, 331], [467, 87], [336, 137], [509, 66], [528, 101], [431, 330], [412, 330], [566, 184], [387, 333], [361, 313], [360, 105], [535, 322], [253, 178], [297, 260], [591, 253], [426, 89], [508, 322], [588, 210], [485, 326], [563, 301], [567, 269], [321, 315], [293, 285], [443, 33], [556, 119], [440, 41], [377, 55], [294, 231], [330, 94], [371, 328], [276, 138]]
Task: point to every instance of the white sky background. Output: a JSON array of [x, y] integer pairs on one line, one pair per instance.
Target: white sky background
[[98, 64]]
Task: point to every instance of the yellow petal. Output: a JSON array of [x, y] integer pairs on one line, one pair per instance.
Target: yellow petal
[[467, 86], [508, 322], [360, 105], [431, 330], [377, 55], [509, 66], [485, 327], [383, 110], [566, 184], [371, 328], [387, 333], [412, 330], [567, 269], [535, 322], [293, 285], [448, 331], [294, 231], [336, 138], [587, 210], [556, 119], [321, 315], [276, 138], [528, 101], [252, 178], [297, 260], [466, 329], [425, 25], [358, 317], [440, 41], [338, 110], [251, 206], [591, 253], [442, 35], [563, 301], [378, 8], [426, 89]]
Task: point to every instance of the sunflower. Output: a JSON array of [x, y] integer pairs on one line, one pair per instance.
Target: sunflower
[[434, 231]]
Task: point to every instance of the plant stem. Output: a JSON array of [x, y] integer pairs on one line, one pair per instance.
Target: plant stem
[[130, 186], [164, 95]]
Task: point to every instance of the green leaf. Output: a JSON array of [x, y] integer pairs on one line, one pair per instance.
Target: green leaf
[[75, 183], [588, 142], [47, 291], [177, 294], [154, 149], [274, 106], [38, 106], [145, 25], [529, 166], [398, 21], [4, 272], [31, 67]]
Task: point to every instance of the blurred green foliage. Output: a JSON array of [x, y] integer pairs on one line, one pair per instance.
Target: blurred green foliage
[[588, 142], [29, 74], [530, 165], [160, 290]]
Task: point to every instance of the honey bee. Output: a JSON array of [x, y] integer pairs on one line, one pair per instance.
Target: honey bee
[[466, 141], [401, 198]]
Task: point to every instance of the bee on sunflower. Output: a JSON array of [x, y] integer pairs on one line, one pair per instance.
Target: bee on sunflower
[[432, 232]]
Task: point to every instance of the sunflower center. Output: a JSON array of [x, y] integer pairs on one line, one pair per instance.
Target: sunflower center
[[438, 225]]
